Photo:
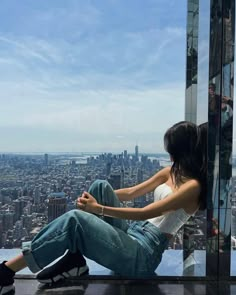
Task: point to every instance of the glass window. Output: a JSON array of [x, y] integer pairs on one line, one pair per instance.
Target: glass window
[[88, 89]]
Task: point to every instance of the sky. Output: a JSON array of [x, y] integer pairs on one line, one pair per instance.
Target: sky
[[90, 75]]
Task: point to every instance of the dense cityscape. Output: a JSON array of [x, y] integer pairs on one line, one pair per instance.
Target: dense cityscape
[[37, 188]]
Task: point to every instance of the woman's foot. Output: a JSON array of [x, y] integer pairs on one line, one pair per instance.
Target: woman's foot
[[70, 265], [6, 280]]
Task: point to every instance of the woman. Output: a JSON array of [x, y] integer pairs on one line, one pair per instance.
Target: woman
[[136, 250]]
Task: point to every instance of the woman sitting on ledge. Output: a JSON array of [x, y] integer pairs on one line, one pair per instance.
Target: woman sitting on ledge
[[135, 249]]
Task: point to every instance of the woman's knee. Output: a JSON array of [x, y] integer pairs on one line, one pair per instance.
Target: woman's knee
[[71, 216], [79, 216], [98, 183], [99, 187], [75, 213], [102, 191]]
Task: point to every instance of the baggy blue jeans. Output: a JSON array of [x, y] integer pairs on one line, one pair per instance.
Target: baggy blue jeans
[[133, 250]]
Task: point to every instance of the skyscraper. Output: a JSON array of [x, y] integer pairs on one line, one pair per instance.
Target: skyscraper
[[56, 205], [139, 175], [115, 180], [122, 180], [36, 195], [46, 159], [125, 154], [136, 153], [108, 168]]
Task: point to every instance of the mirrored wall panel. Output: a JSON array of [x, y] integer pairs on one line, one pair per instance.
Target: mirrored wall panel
[[220, 111], [214, 92]]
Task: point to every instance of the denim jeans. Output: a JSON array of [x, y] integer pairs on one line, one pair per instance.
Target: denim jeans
[[133, 250]]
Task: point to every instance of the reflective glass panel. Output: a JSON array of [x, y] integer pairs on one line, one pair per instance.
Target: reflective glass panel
[[88, 89]]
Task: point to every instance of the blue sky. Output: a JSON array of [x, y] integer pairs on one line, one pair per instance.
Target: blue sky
[[100, 75]]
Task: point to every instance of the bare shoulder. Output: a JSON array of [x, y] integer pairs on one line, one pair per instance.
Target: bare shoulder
[[192, 183], [192, 187], [162, 175], [165, 171]]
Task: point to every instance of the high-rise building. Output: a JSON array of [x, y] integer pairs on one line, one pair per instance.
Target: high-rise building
[[36, 195], [19, 206], [136, 153], [56, 205], [17, 209], [108, 168], [125, 154], [115, 180], [122, 180], [46, 159], [139, 175], [27, 222], [7, 218]]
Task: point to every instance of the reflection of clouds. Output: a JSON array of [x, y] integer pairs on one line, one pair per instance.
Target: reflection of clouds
[[203, 61], [203, 76], [203, 53]]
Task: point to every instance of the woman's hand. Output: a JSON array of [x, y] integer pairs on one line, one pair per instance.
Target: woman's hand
[[88, 203]]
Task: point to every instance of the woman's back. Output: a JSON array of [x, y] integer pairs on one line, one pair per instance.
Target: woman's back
[[171, 222], [190, 207]]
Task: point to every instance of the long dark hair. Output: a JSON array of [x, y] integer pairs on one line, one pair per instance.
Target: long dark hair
[[187, 145], [202, 156]]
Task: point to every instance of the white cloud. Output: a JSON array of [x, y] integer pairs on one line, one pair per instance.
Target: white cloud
[[72, 76], [122, 115]]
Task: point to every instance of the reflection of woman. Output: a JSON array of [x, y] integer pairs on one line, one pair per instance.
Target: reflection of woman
[[134, 250]]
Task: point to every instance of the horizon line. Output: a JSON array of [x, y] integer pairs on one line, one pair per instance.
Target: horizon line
[[78, 153]]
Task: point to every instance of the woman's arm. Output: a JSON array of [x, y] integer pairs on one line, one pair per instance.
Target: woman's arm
[[186, 194], [127, 194]]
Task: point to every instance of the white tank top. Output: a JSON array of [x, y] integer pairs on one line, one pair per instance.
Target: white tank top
[[170, 222]]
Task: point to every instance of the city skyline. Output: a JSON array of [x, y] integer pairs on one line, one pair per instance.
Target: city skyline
[[35, 190]]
